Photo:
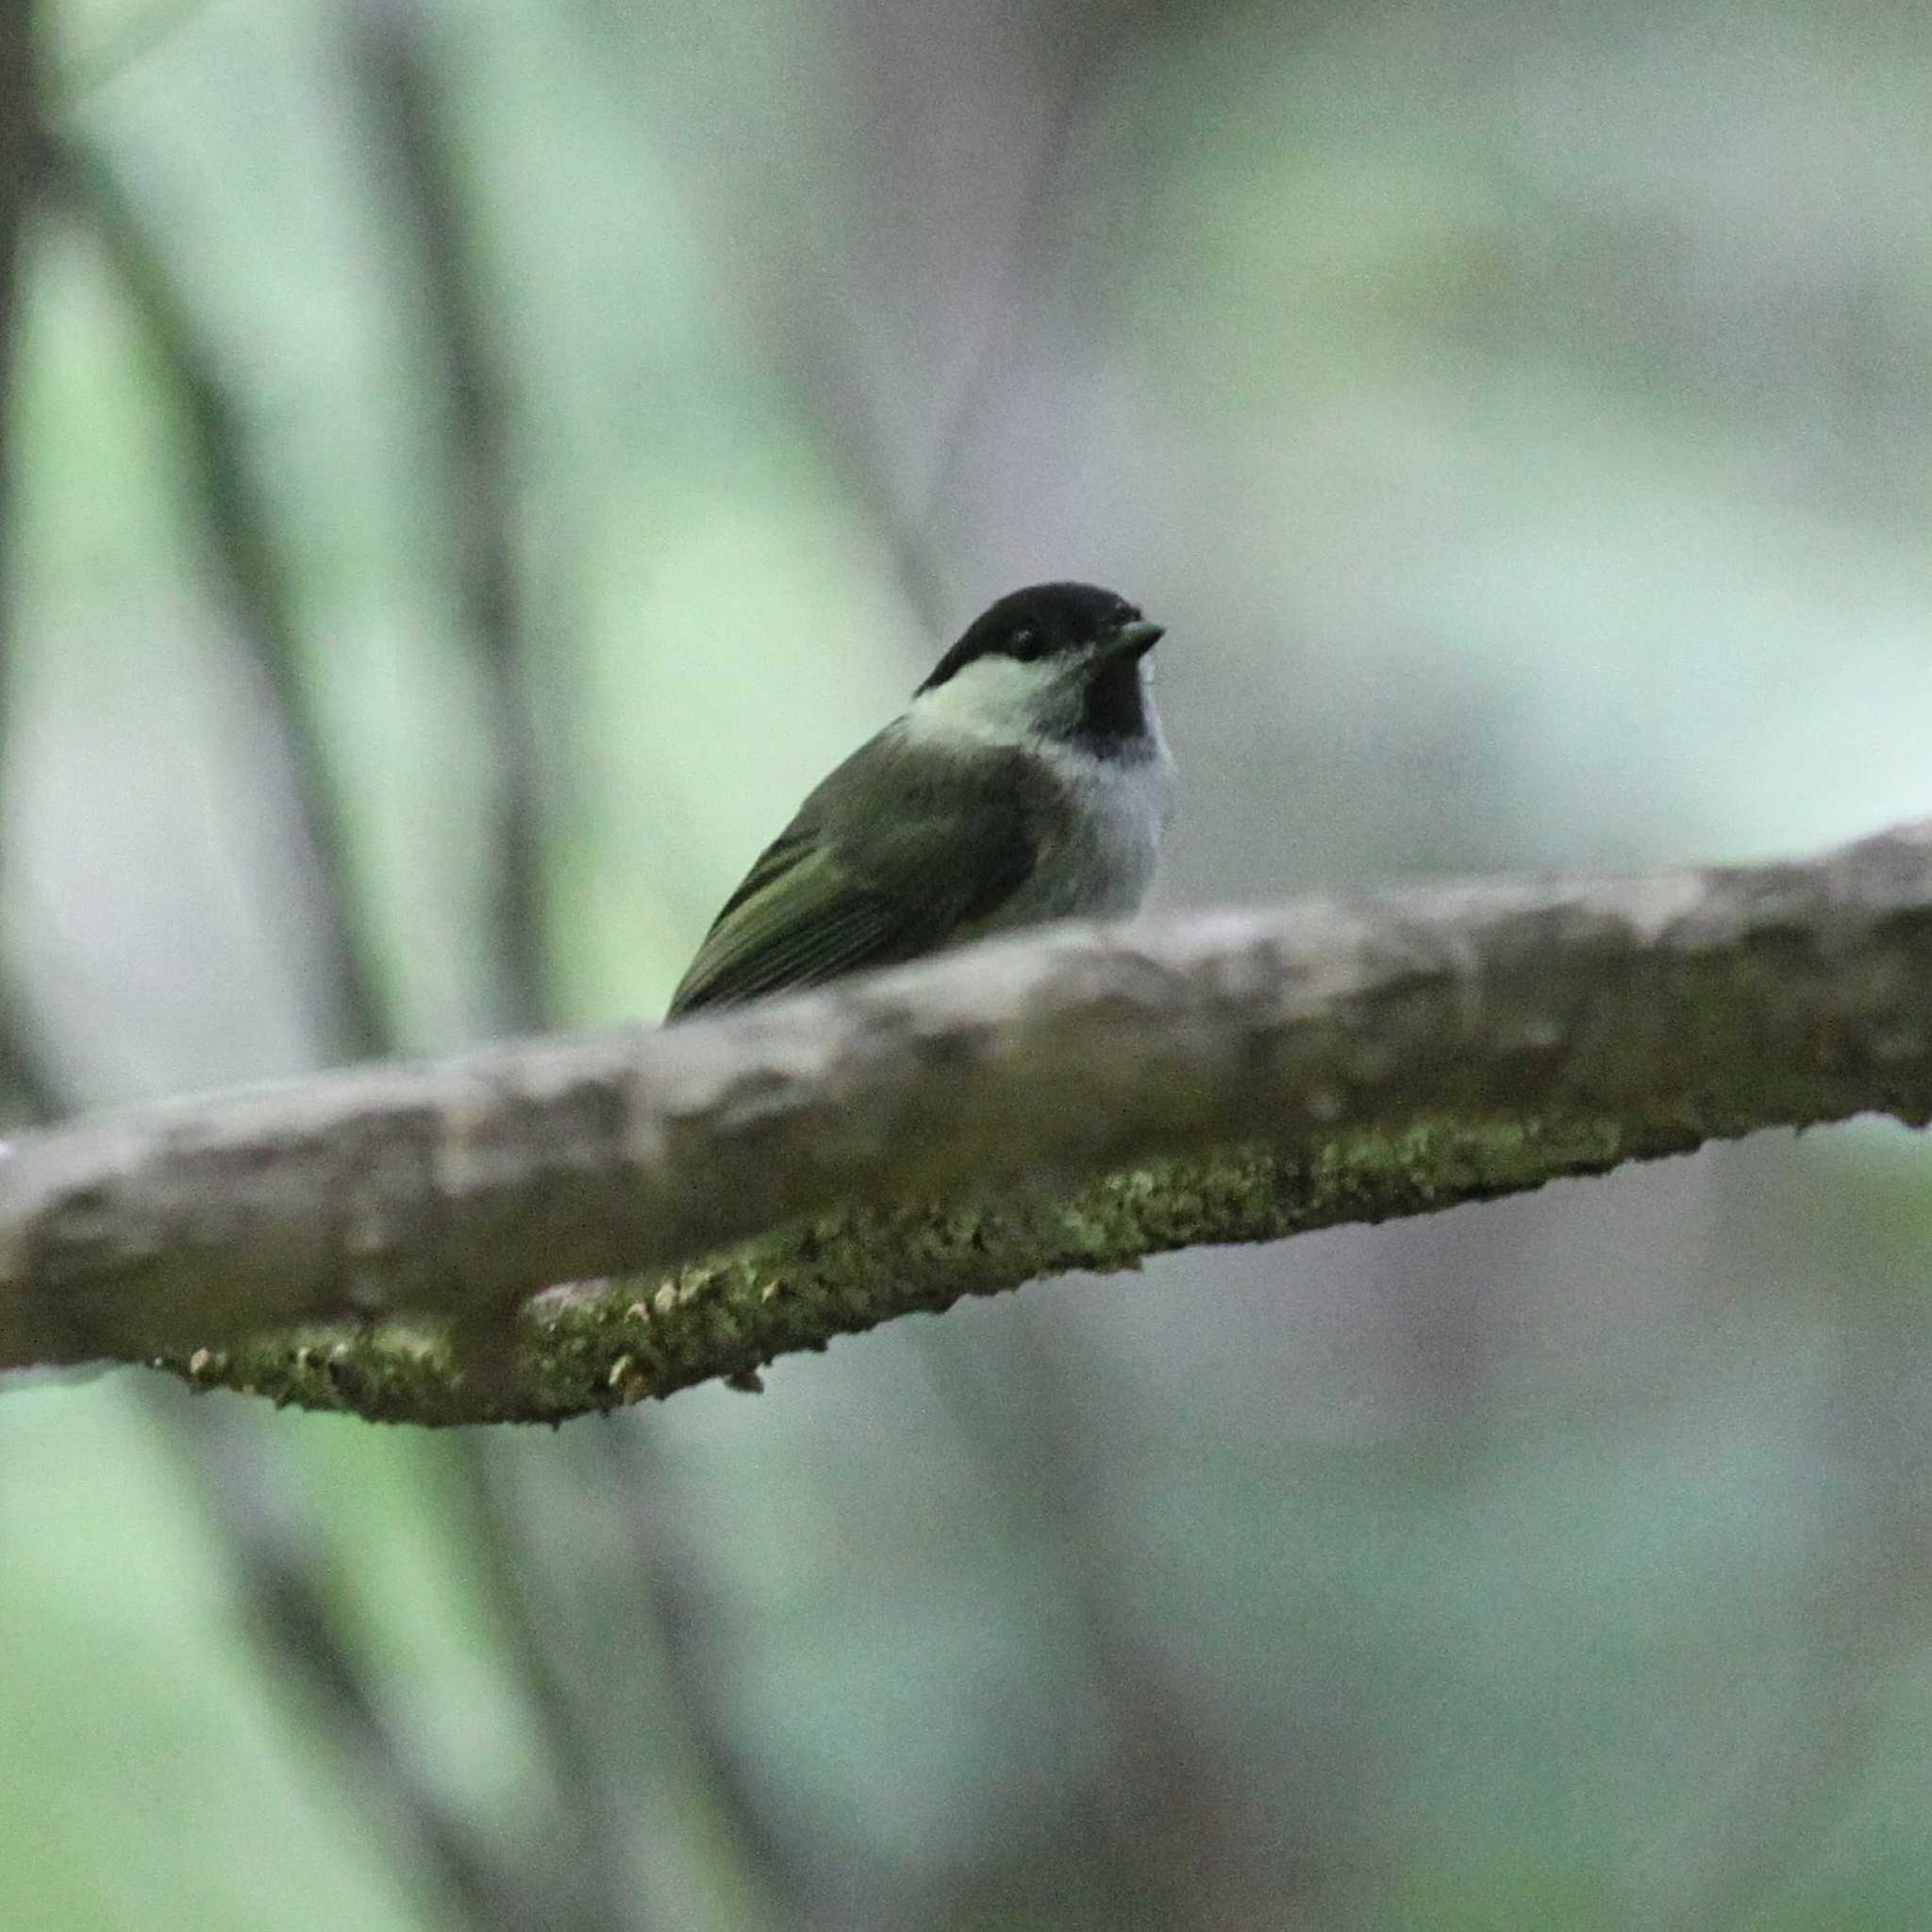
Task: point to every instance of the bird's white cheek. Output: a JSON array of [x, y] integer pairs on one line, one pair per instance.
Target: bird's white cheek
[[992, 701]]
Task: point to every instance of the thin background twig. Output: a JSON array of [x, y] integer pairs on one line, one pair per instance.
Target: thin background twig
[[30, 1087], [252, 580], [397, 86], [244, 1486]]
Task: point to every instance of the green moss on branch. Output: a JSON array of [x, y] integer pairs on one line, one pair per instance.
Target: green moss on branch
[[597, 1347]]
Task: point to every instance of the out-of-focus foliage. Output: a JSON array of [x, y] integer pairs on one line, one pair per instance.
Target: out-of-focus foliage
[[1517, 413]]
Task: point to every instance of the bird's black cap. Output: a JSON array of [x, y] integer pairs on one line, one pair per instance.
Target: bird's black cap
[[1042, 619]]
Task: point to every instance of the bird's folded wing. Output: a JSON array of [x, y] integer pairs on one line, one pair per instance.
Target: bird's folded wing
[[827, 898]]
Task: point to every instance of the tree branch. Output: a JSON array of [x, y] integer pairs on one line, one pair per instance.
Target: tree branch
[[1367, 1059]]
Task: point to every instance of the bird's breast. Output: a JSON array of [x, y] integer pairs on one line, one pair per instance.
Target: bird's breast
[[1097, 859]]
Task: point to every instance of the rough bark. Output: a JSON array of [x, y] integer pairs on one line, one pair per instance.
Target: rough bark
[[1284, 1069]]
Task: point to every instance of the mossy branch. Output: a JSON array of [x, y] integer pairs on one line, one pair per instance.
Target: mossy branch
[[373, 1240]]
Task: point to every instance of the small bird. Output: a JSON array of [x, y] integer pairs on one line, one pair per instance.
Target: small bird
[[1027, 780]]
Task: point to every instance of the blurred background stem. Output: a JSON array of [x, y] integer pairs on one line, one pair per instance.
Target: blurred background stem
[[27, 1086]]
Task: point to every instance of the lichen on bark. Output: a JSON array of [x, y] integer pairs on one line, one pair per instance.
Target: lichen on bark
[[598, 1346]]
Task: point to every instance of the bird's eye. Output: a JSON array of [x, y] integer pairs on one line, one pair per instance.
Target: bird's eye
[[1024, 644]]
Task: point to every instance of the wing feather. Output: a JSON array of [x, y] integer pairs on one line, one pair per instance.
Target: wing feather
[[806, 925], [840, 890]]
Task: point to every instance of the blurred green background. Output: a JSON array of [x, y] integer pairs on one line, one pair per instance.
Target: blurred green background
[[472, 466]]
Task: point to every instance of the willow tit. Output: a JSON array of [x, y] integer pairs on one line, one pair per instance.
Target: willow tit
[[1027, 780]]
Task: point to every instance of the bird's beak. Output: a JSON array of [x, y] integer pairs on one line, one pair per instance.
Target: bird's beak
[[1135, 639]]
